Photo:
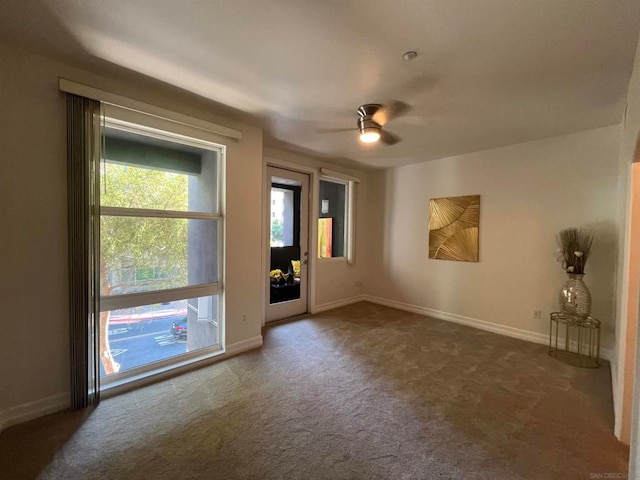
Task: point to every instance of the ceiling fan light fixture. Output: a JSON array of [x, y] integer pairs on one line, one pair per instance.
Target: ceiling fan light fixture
[[370, 131], [369, 134]]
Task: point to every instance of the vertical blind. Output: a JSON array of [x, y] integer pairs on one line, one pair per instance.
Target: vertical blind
[[83, 156]]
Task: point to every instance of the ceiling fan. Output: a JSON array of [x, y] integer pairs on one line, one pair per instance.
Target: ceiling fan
[[372, 117]]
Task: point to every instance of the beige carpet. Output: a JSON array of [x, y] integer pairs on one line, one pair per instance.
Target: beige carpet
[[361, 392]]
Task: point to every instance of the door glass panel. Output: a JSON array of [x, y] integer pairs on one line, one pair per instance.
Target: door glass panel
[[150, 333], [282, 217], [285, 243]]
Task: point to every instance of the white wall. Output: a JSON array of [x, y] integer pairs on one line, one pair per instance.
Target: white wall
[[529, 192], [34, 355]]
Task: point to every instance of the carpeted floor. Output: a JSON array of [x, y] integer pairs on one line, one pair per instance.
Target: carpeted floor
[[360, 392]]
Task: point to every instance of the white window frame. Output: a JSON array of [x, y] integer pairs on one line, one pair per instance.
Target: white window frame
[[139, 123]]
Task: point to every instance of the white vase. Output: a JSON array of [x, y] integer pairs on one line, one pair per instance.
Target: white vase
[[575, 297]]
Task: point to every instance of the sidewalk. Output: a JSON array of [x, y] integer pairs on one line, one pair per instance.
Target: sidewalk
[[146, 316]]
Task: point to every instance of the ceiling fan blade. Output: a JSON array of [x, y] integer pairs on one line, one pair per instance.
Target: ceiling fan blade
[[389, 138], [335, 130], [393, 110]]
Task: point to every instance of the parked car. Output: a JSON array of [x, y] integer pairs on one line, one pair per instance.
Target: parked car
[[179, 328]]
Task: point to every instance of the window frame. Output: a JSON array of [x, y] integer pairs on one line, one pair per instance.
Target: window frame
[[141, 124], [349, 214]]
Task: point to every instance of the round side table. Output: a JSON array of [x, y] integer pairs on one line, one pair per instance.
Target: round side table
[[575, 340]]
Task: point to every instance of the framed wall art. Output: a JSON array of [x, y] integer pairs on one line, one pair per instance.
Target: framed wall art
[[454, 227]]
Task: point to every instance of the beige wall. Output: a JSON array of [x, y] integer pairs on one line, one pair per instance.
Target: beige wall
[[34, 354], [529, 192]]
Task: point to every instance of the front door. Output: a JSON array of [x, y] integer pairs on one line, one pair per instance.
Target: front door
[[288, 248]]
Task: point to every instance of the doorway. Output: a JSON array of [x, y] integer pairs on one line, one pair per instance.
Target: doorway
[[288, 244]]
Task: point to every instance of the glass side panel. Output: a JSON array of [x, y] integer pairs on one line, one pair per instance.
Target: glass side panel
[[142, 335], [143, 172], [332, 219], [142, 254]]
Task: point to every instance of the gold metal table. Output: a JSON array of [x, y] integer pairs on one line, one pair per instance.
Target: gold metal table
[[575, 340]]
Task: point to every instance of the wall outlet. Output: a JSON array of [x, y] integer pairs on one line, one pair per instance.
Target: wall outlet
[[537, 314], [358, 284], [244, 318]]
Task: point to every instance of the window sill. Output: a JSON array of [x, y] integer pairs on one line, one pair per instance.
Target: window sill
[[162, 372], [332, 260]]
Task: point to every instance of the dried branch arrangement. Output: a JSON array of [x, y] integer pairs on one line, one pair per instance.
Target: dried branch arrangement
[[575, 248]]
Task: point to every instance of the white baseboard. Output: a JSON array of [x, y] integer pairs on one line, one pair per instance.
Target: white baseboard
[[529, 336], [244, 345], [29, 411], [323, 307]]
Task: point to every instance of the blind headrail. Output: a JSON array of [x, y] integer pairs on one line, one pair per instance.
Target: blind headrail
[[86, 91]]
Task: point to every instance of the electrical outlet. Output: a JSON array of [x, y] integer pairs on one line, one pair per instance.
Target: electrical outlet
[[537, 314], [244, 318], [358, 284]]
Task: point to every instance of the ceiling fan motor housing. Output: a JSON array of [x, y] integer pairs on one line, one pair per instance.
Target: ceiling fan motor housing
[[365, 120]]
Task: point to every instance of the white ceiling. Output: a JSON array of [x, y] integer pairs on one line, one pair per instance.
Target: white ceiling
[[489, 73]]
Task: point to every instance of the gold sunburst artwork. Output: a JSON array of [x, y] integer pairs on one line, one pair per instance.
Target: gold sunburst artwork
[[453, 228]]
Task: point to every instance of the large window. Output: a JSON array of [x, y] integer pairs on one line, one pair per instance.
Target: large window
[[160, 248]]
